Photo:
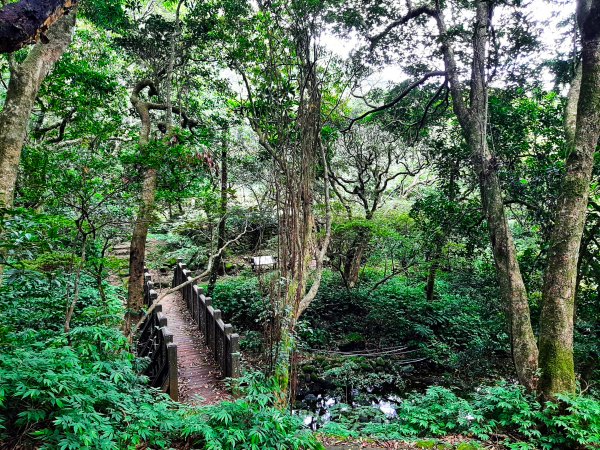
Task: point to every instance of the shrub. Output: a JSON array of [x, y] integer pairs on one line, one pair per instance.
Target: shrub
[[248, 423], [84, 391], [242, 304], [503, 411], [454, 332]]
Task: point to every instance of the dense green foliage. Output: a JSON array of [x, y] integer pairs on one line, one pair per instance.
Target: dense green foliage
[[83, 390], [502, 412], [269, 134]]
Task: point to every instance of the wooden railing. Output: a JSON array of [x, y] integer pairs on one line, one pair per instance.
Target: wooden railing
[[218, 335], [156, 342]]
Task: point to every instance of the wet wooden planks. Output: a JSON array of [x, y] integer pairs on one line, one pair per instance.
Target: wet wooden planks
[[199, 376]]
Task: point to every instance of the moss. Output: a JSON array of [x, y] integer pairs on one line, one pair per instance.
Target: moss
[[558, 371], [466, 446], [425, 444], [575, 187]]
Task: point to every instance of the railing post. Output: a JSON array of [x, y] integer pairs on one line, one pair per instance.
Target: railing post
[[173, 380], [195, 302], [216, 315], [214, 331], [162, 320], [235, 355], [226, 365], [152, 296], [208, 323]]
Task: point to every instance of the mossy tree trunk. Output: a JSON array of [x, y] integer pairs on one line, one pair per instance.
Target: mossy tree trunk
[[473, 118], [137, 248], [558, 294], [433, 268], [355, 255]]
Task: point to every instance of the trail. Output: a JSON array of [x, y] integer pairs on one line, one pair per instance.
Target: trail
[[199, 377]]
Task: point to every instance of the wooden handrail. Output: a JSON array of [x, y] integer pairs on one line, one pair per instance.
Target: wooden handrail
[[223, 343], [155, 341]]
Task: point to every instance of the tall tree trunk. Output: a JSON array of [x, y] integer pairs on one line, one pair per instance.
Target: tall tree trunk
[[473, 120], [510, 280], [25, 81], [558, 294], [214, 273], [354, 257], [433, 268], [137, 248]]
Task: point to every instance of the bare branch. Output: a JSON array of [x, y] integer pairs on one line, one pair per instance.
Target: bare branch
[[190, 281], [403, 94], [412, 14]]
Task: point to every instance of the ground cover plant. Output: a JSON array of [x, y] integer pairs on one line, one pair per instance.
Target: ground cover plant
[[394, 206]]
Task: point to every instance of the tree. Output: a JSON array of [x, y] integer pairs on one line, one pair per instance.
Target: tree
[[146, 45], [221, 227], [556, 357], [283, 80], [370, 164], [558, 293], [472, 117], [25, 81]]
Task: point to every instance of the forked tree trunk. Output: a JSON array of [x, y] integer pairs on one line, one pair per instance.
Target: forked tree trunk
[[25, 81], [137, 249], [473, 120], [558, 294]]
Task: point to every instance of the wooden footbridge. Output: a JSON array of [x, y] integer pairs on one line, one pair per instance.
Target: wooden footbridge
[[191, 349]]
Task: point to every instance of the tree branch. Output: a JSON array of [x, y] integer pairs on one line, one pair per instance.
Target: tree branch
[[403, 94], [190, 281], [412, 14], [27, 21]]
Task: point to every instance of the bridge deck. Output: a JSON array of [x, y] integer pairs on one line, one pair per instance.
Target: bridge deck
[[199, 376]]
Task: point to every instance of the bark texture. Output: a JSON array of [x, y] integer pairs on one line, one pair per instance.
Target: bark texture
[[25, 81], [558, 295], [137, 249], [473, 120], [354, 257], [27, 21], [433, 268], [218, 262]]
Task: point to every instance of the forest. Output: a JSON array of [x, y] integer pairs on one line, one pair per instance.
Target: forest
[[300, 224]]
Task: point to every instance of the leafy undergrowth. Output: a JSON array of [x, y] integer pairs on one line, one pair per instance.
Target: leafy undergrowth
[[84, 391], [504, 414]]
